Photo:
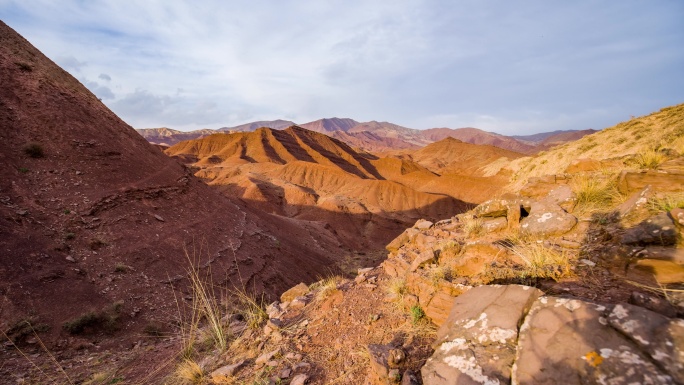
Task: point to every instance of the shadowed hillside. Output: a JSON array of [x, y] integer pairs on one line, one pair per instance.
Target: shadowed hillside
[[93, 219]]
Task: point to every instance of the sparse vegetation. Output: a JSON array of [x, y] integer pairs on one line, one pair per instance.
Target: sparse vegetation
[[417, 314], [472, 227], [595, 193], [649, 159], [106, 320], [189, 372], [120, 268], [34, 150], [103, 378], [540, 261], [665, 202], [326, 286], [251, 309], [24, 67], [23, 170], [69, 236]]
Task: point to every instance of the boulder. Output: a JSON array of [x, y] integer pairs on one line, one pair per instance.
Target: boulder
[[664, 272], [677, 216], [422, 224], [653, 303], [656, 230], [563, 196], [635, 201], [294, 292], [547, 219], [661, 337], [422, 259], [569, 341], [224, 373], [661, 181], [537, 188], [492, 208], [476, 344], [403, 238], [395, 266], [492, 225]]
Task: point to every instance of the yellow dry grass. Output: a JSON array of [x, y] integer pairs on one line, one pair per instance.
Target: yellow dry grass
[[661, 130]]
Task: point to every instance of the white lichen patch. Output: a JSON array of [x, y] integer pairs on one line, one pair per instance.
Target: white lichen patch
[[545, 217], [619, 312], [458, 343], [471, 369], [600, 308], [543, 300], [473, 322], [497, 334], [603, 321], [606, 353]]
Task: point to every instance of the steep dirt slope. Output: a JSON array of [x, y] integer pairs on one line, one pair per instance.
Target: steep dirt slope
[[309, 176], [94, 218]]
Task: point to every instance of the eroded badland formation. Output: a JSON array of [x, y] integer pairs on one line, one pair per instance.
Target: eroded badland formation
[[332, 252]]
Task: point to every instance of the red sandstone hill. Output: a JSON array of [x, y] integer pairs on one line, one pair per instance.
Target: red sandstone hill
[[306, 175], [94, 218]]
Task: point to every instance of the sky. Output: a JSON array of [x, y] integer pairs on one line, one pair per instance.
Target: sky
[[509, 67]]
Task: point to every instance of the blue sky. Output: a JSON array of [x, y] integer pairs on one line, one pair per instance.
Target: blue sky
[[509, 67]]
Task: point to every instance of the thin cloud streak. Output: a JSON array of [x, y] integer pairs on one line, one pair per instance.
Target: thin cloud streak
[[510, 68]]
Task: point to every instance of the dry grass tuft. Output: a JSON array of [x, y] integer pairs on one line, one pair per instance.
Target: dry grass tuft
[[472, 227], [189, 372], [649, 159], [326, 286], [251, 308], [538, 261], [595, 193]]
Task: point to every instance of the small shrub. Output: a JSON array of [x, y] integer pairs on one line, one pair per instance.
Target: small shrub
[[154, 329], [24, 67], [69, 236], [417, 314], [34, 150], [23, 170], [25, 327], [106, 320], [97, 243], [120, 268], [67, 211], [78, 325]]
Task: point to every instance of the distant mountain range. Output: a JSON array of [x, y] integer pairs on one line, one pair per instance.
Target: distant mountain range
[[381, 137]]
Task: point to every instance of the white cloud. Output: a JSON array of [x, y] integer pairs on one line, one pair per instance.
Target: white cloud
[[412, 63]]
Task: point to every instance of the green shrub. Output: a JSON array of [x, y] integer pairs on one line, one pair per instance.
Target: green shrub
[[34, 150], [417, 313]]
